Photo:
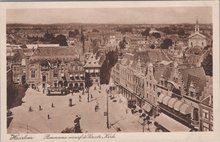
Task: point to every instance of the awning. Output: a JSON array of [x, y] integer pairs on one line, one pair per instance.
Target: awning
[[172, 102], [174, 84], [185, 109], [137, 108], [147, 107], [166, 99], [177, 105], [87, 71], [171, 124], [91, 71], [160, 99], [81, 75]]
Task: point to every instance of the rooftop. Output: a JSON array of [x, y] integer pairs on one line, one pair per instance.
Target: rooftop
[[55, 52]]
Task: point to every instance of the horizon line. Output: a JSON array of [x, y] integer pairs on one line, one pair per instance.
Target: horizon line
[[106, 23]]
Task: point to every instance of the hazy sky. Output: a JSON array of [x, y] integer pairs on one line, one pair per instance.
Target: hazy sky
[[111, 15]]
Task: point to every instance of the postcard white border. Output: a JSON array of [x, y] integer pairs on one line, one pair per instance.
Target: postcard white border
[[156, 137]]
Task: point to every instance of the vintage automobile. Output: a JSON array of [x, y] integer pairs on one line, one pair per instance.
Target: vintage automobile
[[57, 91]]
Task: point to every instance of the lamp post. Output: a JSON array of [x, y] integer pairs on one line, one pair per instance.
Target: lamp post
[[107, 91]]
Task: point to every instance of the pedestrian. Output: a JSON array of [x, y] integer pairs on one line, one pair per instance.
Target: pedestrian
[[88, 98], [126, 111], [30, 109], [40, 107], [91, 96], [80, 98], [48, 116], [52, 105]]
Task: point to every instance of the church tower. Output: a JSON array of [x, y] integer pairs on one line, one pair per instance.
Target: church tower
[[197, 26]]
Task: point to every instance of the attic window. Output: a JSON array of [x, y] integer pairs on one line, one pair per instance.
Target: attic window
[[89, 62], [94, 62]]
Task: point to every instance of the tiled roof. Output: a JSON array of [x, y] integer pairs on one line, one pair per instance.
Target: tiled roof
[[54, 52], [151, 56], [164, 71], [196, 75]]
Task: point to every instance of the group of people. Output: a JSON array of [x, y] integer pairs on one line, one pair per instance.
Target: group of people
[[40, 108]]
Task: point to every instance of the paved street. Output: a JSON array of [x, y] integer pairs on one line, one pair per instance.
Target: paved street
[[62, 115]]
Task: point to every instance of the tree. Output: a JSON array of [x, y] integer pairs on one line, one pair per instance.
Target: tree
[[152, 46], [156, 35], [74, 33], [48, 37], [181, 32], [95, 30], [208, 65], [122, 44], [146, 32], [61, 40], [166, 43]]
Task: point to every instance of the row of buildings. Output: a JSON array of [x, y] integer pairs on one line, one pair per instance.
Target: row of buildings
[[171, 85], [53, 67], [167, 90]]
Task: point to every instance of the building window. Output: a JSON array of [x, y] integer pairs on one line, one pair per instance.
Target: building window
[[154, 87], [55, 73], [150, 77], [196, 114], [32, 74], [205, 114]]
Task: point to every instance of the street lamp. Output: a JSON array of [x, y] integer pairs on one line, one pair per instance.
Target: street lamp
[[107, 91]]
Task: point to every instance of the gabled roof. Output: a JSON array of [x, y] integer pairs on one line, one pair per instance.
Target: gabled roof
[[194, 75], [197, 34], [208, 101], [92, 62]]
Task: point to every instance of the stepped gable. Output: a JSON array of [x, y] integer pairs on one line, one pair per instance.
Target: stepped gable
[[92, 62]]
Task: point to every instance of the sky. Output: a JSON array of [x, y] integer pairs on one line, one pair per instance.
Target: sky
[[147, 15]]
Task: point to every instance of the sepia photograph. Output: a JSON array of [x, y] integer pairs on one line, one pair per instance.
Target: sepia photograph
[[109, 70]]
